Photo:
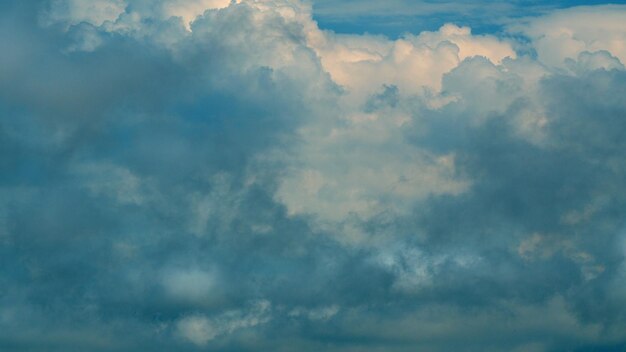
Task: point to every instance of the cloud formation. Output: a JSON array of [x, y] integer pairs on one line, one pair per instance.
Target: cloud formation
[[227, 175]]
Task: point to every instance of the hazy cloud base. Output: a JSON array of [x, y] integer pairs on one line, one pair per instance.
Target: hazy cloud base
[[216, 175]]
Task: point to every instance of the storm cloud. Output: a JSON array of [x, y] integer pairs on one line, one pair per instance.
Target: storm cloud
[[227, 175]]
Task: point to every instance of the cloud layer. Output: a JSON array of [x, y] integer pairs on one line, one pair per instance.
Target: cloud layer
[[217, 175]]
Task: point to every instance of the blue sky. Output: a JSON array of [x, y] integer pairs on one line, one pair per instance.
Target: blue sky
[[394, 18], [256, 175]]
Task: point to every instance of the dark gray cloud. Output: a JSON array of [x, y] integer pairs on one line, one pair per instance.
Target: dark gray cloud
[[240, 185]]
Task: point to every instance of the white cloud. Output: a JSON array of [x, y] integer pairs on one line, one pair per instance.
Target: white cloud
[[364, 63], [354, 164], [567, 33], [321, 313], [95, 12], [362, 180], [415, 270], [197, 329], [98, 12], [235, 138], [200, 329], [359, 164], [112, 181], [216, 208], [589, 61], [192, 285], [543, 247], [189, 10]]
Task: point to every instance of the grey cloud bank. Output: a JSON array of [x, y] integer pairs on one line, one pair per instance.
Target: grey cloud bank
[[217, 175]]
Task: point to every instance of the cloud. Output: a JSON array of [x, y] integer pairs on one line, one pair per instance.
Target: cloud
[[190, 285], [395, 18], [74, 12], [231, 176], [200, 330], [566, 34]]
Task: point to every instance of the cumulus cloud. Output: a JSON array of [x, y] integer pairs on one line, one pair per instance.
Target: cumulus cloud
[[228, 175], [567, 33]]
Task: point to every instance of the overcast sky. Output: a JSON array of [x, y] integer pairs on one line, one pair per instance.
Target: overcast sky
[[256, 175]]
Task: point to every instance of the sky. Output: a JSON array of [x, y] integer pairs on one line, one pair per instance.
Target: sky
[[394, 18], [283, 175]]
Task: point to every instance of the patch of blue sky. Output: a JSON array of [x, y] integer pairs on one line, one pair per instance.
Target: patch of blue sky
[[393, 18]]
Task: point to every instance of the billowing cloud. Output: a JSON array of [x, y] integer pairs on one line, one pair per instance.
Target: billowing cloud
[[227, 175], [568, 33]]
